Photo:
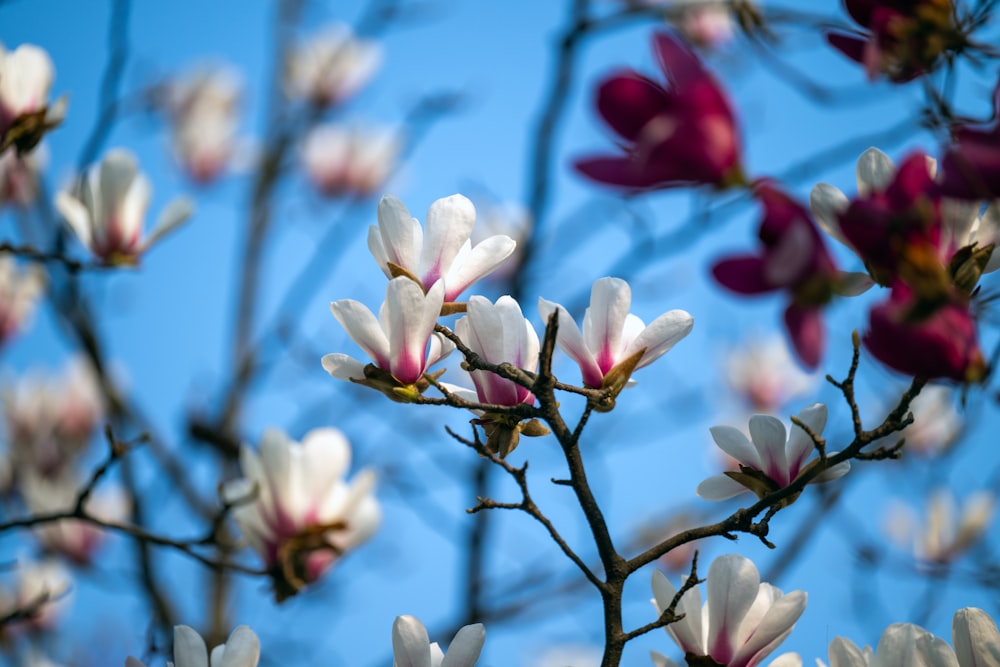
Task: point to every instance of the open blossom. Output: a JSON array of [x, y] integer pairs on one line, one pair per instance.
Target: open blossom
[[331, 66], [242, 649], [970, 168], [772, 459], [204, 112], [612, 335], [50, 418], [26, 74], [401, 341], [742, 622], [295, 508], [942, 343], [946, 533], [108, 209], [411, 647], [793, 258], [974, 636], [19, 291], [440, 251], [763, 373], [350, 161], [903, 38], [683, 133]]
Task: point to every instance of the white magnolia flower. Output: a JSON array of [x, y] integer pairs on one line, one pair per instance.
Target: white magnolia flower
[[499, 333], [19, 291], [875, 170], [974, 635], [204, 110], [945, 533], [742, 622], [26, 74], [350, 161], [295, 508], [936, 421], [401, 341], [441, 250], [50, 419], [772, 459], [765, 374], [19, 176], [411, 647], [242, 649], [332, 66], [108, 210], [611, 334], [42, 587]]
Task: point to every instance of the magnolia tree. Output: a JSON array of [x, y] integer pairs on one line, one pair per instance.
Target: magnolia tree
[[494, 432]]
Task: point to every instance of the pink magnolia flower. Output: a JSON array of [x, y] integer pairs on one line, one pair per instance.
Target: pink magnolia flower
[[499, 333], [26, 75], [742, 622], [611, 334], [793, 258], [295, 508], [680, 134], [941, 343], [343, 161], [242, 649], [108, 208], [332, 66], [401, 341], [971, 164], [772, 458], [411, 647], [903, 38], [441, 251], [19, 291]]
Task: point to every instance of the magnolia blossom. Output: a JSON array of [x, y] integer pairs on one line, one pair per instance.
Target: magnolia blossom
[[242, 649], [971, 164], [50, 419], [742, 622], [707, 23], [343, 161], [108, 209], [204, 114], [295, 508], [499, 333], [76, 540], [42, 587], [769, 461], [903, 38], [441, 251], [792, 258], [974, 635], [680, 134], [765, 375], [19, 176], [946, 533], [936, 422], [612, 335], [19, 291], [332, 66], [411, 647], [26, 74], [401, 341]]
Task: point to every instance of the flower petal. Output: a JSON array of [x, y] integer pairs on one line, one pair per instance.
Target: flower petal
[[449, 225], [465, 648], [661, 335], [364, 329], [720, 487], [976, 640], [410, 644], [875, 172], [343, 367], [732, 441], [571, 342], [189, 647], [733, 582]]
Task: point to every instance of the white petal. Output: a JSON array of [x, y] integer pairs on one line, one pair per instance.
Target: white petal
[[976, 640], [412, 316], [448, 226], [875, 171], [364, 329], [800, 445], [175, 213], [401, 234], [410, 644], [853, 283], [343, 367], [768, 437], [660, 660], [720, 487], [827, 202], [189, 647], [242, 649], [661, 335], [571, 342], [787, 660], [732, 441], [688, 631], [733, 582], [832, 473], [843, 653], [775, 626], [77, 216], [604, 321], [480, 261], [465, 648], [911, 645]]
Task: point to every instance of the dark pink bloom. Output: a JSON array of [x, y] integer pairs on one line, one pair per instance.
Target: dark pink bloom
[[942, 344], [683, 133], [794, 259], [970, 168], [902, 38], [900, 224]]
